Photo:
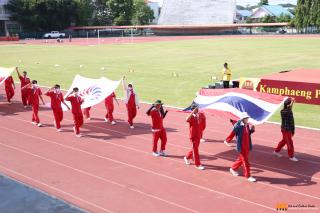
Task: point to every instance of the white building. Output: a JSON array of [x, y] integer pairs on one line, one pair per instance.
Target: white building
[[155, 7], [197, 12], [6, 26]]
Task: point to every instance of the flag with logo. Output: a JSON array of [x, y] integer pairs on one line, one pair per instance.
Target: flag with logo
[[5, 73], [232, 103], [93, 91]]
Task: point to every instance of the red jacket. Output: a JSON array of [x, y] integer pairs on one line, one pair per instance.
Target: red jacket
[[75, 104], [8, 82], [34, 96], [195, 127], [157, 120], [56, 99], [109, 100], [24, 80]]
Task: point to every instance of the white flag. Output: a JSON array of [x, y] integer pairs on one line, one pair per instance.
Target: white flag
[[93, 91], [5, 73]]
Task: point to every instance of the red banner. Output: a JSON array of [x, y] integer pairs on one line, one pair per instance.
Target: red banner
[[303, 92]]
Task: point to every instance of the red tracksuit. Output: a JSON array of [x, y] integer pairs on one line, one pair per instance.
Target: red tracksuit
[[9, 88], [56, 99], [158, 130], [232, 133], [132, 108], [34, 101], [286, 140], [76, 111], [109, 106], [86, 112], [203, 122], [26, 92], [195, 136], [243, 158]]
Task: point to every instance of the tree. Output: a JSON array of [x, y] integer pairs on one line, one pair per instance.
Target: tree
[[101, 13], [268, 19], [44, 15], [307, 14], [283, 18], [143, 14], [263, 2], [121, 11]]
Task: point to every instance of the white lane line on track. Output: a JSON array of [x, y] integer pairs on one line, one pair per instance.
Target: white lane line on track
[[98, 177]]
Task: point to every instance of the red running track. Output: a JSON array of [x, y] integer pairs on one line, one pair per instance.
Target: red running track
[[141, 39], [111, 169]]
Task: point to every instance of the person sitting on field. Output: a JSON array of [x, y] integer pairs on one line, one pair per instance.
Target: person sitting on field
[[287, 130], [226, 75]]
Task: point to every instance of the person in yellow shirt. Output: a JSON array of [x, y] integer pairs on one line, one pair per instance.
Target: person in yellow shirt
[[226, 75]]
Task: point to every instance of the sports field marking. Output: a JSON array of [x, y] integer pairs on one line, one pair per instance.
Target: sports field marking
[[54, 188], [292, 191], [145, 170], [99, 177]]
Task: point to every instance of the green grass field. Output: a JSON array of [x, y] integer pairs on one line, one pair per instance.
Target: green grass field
[[195, 61]]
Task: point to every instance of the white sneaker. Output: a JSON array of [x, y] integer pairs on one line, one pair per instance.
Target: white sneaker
[[200, 167], [113, 123], [25, 107], [9, 102], [277, 154], [163, 154], [227, 144], [34, 123], [59, 130], [131, 127], [294, 159], [234, 173], [39, 124], [252, 179], [202, 140], [79, 135], [156, 154], [186, 161], [88, 119], [106, 120]]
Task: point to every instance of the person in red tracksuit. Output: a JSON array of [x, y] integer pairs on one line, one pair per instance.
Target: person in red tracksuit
[[76, 102], [86, 113], [24, 80], [287, 130], [9, 87], [35, 94], [194, 121], [203, 124], [110, 107], [157, 114], [244, 145], [56, 99], [231, 135], [131, 100]]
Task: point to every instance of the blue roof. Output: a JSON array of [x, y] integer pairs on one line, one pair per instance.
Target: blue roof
[[277, 10], [245, 13]]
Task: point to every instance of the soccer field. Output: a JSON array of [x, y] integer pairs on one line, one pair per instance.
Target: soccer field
[[194, 62]]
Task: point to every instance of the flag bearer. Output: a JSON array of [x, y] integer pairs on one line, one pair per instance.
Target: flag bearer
[[110, 107], [76, 102], [131, 100], [24, 80], [157, 114], [9, 87], [244, 145]]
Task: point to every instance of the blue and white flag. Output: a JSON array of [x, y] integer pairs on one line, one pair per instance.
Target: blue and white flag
[[93, 91], [259, 106]]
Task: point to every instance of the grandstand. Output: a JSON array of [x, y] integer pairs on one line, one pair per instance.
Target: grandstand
[[200, 12]]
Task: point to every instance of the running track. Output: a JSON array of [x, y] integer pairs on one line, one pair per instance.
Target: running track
[[111, 169]]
